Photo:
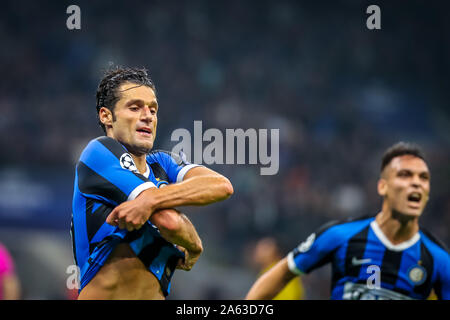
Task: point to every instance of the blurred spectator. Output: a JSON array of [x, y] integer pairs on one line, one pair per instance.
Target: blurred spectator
[[9, 282], [266, 254]]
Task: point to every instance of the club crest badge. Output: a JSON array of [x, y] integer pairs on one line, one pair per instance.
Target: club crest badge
[[417, 275], [126, 162], [162, 183]]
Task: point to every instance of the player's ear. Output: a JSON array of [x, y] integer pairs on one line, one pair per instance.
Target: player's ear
[[382, 187], [106, 117]]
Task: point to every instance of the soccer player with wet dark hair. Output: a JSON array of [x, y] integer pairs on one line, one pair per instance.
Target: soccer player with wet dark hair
[[127, 238], [383, 257]]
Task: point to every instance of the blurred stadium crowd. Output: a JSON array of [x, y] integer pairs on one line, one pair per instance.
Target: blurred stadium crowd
[[339, 93]]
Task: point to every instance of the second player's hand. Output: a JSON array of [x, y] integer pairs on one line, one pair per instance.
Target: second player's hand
[[130, 215]]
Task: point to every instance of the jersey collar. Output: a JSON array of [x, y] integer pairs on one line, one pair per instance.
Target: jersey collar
[[394, 247], [147, 171]]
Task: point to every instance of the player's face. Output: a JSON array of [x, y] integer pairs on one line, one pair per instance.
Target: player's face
[[405, 185], [135, 118]]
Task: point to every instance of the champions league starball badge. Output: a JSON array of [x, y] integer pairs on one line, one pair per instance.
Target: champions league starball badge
[[126, 162]]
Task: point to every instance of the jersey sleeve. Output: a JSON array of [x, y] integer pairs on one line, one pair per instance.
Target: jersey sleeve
[[176, 166], [106, 172], [443, 287], [315, 251]]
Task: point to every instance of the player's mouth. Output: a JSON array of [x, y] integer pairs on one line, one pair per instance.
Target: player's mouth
[[414, 199], [145, 131]]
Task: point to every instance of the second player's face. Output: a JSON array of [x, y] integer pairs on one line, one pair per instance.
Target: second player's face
[[136, 118], [407, 185]]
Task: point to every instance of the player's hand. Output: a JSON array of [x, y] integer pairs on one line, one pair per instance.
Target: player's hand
[[130, 215], [190, 258]]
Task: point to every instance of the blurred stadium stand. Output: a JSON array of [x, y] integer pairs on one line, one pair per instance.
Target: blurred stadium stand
[[339, 93]]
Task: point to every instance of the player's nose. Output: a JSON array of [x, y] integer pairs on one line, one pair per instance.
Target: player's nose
[[146, 114], [415, 181]]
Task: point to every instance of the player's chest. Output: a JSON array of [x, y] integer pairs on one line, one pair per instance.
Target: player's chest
[[407, 268], [157, 175]]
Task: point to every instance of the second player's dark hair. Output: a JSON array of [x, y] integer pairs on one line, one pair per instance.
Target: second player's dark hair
[[107, 94], [401, 149]]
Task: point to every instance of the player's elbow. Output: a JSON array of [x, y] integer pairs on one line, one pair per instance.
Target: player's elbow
[[197, 247], [226, 187], [167, 219]]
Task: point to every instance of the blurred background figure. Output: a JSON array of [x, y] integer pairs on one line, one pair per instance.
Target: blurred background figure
[[9, 282], [266, 254]]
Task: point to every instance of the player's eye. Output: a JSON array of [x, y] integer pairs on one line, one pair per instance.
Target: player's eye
[[404, 173], [134, 108], [425, 177]]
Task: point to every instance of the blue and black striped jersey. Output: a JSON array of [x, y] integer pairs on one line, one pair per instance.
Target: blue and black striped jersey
[[359, 253], [105, 177]]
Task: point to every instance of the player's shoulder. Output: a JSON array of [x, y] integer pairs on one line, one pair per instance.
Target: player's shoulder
[[166, 157], [158, 154], [345, 227], [334, 233], [103, 148], [105, 143], [434, 245]]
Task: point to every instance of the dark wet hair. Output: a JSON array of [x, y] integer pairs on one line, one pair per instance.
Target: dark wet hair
[[401, 149], [107, 92]]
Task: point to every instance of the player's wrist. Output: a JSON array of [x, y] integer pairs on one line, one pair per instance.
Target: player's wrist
[[149, 200]]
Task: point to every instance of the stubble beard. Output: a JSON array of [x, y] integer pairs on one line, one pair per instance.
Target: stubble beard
[[403, 218], [139, 149]]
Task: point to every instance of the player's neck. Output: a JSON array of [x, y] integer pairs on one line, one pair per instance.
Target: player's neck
[[397, 227], [139, 157], [140, 162]]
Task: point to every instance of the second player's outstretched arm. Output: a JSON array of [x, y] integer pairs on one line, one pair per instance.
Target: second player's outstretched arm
[[271, 282]]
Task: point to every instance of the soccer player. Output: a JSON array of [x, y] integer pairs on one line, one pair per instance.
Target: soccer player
[[127, 239], [383, 257]]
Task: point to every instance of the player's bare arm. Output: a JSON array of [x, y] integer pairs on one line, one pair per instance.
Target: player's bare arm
[[176, 228], [271, 282], [201, 186]]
